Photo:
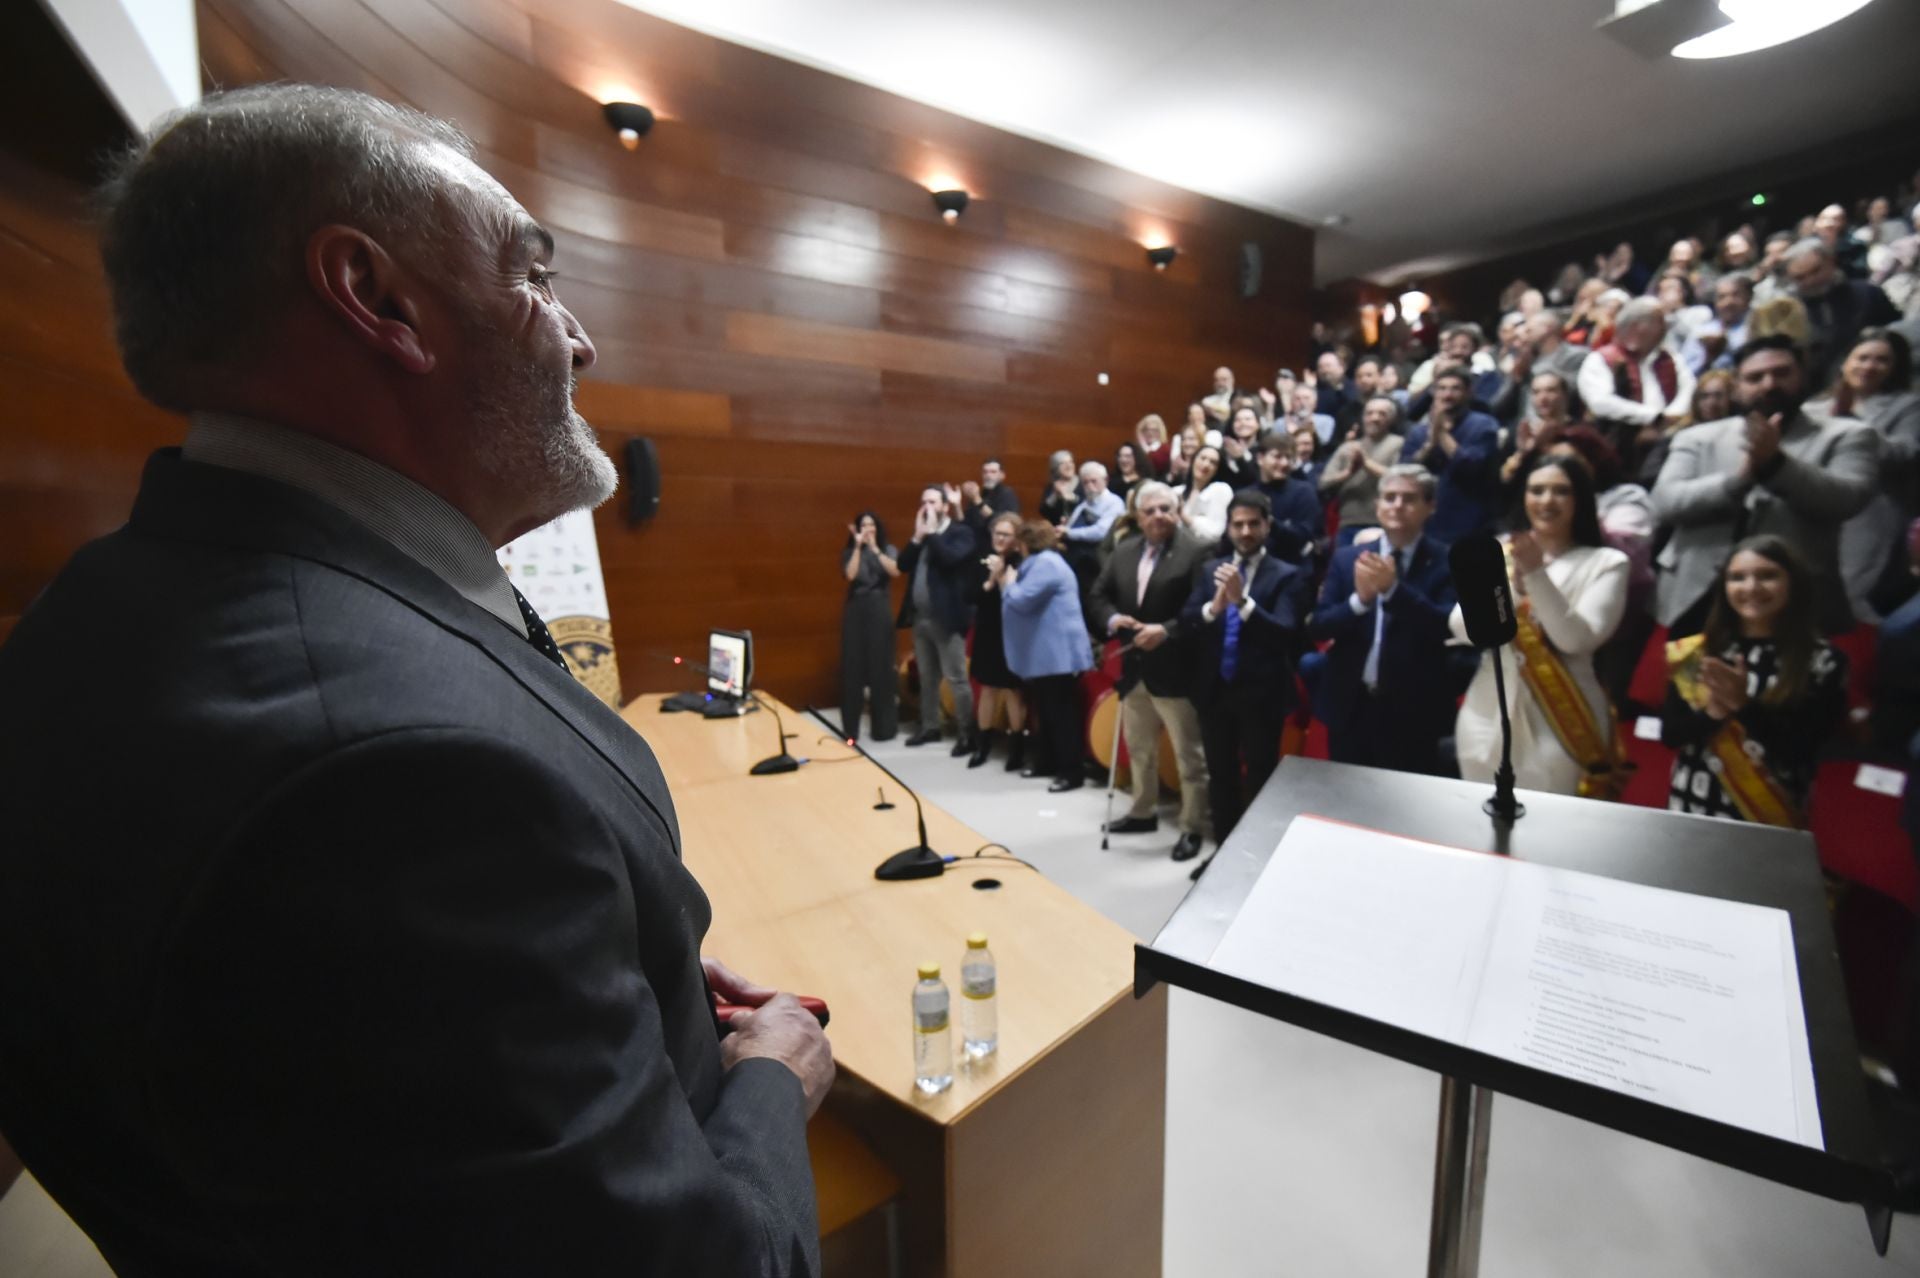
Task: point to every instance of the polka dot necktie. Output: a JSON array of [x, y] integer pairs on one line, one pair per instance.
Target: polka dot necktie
[[537, 631]]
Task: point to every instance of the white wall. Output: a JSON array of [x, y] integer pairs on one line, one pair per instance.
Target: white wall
[[145, 53]]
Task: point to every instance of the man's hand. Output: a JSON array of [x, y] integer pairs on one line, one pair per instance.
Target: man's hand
[[923, 525], [1372, 575], [970, 492], [1148, 637], [1121, 621], [780, 1029], [1230, 588], [728, 986], [1763, 438], [952, 495]]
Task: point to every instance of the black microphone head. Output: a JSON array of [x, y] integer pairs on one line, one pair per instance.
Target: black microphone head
[[1479, 570]]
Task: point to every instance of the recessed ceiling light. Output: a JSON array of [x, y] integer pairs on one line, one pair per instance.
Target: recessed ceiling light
[[1762, 24], [1335, 219], [1101, 378]]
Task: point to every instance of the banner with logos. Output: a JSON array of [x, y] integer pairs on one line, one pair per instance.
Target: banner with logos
[[557, 567]]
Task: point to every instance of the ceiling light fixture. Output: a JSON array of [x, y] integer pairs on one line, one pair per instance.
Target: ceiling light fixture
[[1413, 304], [1753, 25], [1162, 256], [951, 204], [629, 120]]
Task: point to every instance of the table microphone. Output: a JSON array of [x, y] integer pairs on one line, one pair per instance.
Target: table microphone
[[1479, 569], [782, 762], [917, 862]]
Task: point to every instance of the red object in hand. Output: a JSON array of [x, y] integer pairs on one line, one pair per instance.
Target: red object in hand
[[818, 1006]]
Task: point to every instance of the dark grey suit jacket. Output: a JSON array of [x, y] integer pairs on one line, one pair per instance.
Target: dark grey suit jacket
[[1172, 669], [341, 932]]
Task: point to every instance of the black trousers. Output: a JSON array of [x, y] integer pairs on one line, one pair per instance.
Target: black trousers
[[866, 666], [1056, 728], [1380, 734], [1241, 738]]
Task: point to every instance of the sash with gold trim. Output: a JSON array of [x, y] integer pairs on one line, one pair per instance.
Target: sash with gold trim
[[1751, 787], [1604, 768]]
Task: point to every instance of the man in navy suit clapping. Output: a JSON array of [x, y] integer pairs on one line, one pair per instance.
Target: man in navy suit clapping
[[1247, 609], [1384, 692]]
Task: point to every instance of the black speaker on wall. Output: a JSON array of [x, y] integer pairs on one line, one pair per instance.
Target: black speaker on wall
[[1250, 270], [643, 481]]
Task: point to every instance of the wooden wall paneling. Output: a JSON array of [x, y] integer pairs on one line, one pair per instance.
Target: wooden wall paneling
[[647, 274], [771, 335], [773, 300]]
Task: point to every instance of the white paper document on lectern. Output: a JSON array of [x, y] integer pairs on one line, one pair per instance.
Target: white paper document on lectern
[[1687, 1001]]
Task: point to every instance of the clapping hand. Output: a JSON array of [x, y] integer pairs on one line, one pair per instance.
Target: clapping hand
[[1726, 686], [996, 568], [1527, 555], [952, 495], [1373, 576], [971, 491], [1230, 588], [1763, 442]]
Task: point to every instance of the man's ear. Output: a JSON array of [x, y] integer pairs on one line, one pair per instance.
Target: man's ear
[[360, 285]]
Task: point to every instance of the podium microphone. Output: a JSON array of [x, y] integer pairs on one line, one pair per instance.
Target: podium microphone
[[1479, 569], [782, 762], [916, 862]]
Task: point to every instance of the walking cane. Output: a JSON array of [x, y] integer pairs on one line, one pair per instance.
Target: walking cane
[[1113, 771]]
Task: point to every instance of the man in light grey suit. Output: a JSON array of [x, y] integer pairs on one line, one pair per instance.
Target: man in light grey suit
[[341, 930], [1775, 470]]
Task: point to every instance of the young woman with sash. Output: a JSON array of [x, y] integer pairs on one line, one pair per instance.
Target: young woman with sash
[[1570, 591], [1751, 698]]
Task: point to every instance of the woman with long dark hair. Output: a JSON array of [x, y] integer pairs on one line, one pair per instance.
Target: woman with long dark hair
[[867, 676], [1570, 591], [1875, 386], [1751, 698], [1131, 465], [998, 684], [1204, 510]]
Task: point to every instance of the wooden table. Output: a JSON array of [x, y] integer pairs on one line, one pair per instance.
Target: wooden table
[[1050, 1160]]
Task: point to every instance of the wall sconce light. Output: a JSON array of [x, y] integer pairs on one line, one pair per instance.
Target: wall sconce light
[[1162, 257], [630, 121], [951, 203]]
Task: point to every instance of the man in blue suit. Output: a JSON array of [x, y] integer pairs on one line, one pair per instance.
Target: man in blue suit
[[1462, 450], [1247, 610], [1383, 691]]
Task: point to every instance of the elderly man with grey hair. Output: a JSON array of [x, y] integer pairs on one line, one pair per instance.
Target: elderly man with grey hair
[[1138, 599], [1837, 307], [1087, 524], [378, 955], [1634, 387]]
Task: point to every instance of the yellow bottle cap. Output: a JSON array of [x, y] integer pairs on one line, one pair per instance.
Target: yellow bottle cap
[[929, 971], [978, 941]]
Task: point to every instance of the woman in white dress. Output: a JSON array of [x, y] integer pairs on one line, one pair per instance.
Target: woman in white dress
[[1571, 589], [1204, 509]]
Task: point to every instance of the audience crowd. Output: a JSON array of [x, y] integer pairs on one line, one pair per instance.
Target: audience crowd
[[1717, 455]]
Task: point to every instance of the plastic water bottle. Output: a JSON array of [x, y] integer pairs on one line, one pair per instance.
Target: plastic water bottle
[[979, 1014], [932, 1033]]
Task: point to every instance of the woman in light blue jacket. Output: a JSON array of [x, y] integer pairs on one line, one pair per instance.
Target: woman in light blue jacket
[[1045, 635]]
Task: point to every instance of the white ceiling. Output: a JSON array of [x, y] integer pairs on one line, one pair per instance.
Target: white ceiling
[[1445, 132]]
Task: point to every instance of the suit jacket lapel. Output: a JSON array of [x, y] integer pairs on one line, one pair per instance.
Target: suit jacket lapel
[[182, 500]]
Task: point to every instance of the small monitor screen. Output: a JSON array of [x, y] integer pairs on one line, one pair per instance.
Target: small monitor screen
[[728, 663]]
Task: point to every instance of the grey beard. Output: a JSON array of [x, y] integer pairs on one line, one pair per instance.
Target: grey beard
[[528, 435]]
